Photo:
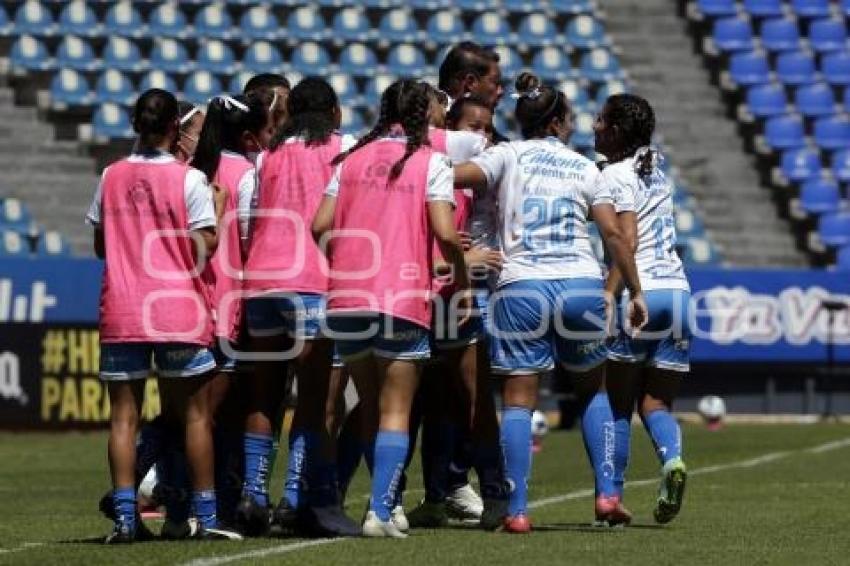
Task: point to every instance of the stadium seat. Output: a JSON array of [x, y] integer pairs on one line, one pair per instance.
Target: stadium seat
[[834, 229], [609, 89], [352, 121], [583, 136], [732, 34], [358, 60], [30, 54], [406, 60], [749, 68], [599, 65], [305, 23], [69, 88], [537, 30], [490, 29], [842, 258], [840, 165], [346, 89], [167, 20], [13, 213], [79, 19], [111, 121], [76, 53], [502, 125], [717, 8], [351, 25], [200, 86], [375, 87], [398, 26], [445, 27], [262, 57], [12, 244], [239, 80], [32, 18], [552, 64], [114, 86], [795, 68], [836, 68], [832, 133], [815, 101], [572, 6], [170, 55], [810, 8], [766, 101], [124, 20], [829, 34], [52, 244], [158, 79], [820, 196], [576, 94], [310, 58], [6, 27], [259, 23], [780, 34], [800, 165], [764, 8], [688, 224], [519, 6], [784, 132], [123, 54], [215, 56], [213, 21], [510, 62], [585, 32]]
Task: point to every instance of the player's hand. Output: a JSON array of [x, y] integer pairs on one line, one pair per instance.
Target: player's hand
[[480, 258], [219, 196], [465, 240], [638, 313]]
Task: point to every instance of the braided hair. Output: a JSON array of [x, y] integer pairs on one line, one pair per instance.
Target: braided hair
[[312, 109], [538, 105], [635, 120]]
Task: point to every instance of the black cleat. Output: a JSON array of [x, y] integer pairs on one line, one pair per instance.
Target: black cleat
[[198, 532], [329, 521], [106, 506], [251, 518], [121, 534], [286, 517]]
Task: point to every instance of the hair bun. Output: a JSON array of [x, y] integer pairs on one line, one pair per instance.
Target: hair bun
[[526, 82]]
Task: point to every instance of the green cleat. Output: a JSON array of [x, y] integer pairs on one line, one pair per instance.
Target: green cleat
[[671, 492]]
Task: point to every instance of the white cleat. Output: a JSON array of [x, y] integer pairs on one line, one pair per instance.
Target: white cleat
[[464, 504], [399, 519], [375, 528]]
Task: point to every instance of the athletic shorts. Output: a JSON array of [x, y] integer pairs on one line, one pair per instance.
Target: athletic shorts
[[446, 335], [127, 361], [223, 361], [539, 322], [358, 335], [297, 315], [665, 341]]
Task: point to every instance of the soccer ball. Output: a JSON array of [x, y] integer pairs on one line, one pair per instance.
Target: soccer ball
[[713, 409], [539, 426]]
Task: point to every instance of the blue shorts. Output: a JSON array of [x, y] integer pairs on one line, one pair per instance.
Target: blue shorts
[[446, 335], [665, 341], [538, 322], [297, 315], [131, 360], [358, 335], [223, 361]]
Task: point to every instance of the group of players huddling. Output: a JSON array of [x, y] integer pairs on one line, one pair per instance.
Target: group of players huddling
[[249, 241]]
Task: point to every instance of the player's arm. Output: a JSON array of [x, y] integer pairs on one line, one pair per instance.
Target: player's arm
[[628, 225], [205, 209], [470, 175], [441, 217], [324, 220]]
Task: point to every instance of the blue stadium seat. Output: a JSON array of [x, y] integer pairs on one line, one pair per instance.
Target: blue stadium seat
[[510, 62], [841, 165], [842, 258], [784, 132], [375, 87], [764, 8], [69, 88], [576, 94], [471, 5], [585, 32], [76, 53], [430, 5], [239, 80], [572, 6], [158, 79], [216, 56], [111, 121], [79, 19], [609, 89], [12, 244], [832, 133], [6, 27], [519, 6], [33, 18], [14, 213], [490, 28], [406, 60], [213, 21], [168, 20], [358, 60], [346, 89], [766, 101], [310, 58], [398, 26], [352, 121], [780, 34], [836, 68], [834, 229], [810, 8], [30, 54], [259, 23], [537, 30], [800, 165], [820, 196], [502, 125], [717, 8], [733, 34], [749, 68], [305, 23], [170, 55], [688, 224], [445, 27], [815, 101], [795, 68], [552, 64], [599, 65], [123, 54], [200, 86], [583, 136], [828, 34], [52, 244], [114, 86], [351, 24], [124, 20], [262, 57]]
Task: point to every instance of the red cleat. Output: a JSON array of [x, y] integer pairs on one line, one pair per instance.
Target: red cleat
[[610, 512], [518, 524]]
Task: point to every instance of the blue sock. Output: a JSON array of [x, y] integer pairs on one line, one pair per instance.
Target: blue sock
[[622, 447], [665, 433], [390, 452], [124, 504], [204, 508], [516, 446], [148, 449], [302, 449], [597, 425], [489, 467], [438, 442], [257, 450]]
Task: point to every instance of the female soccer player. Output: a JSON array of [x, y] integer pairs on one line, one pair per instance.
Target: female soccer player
[[148, 212], [549, 305], [191, 122], [390, 193], [286, 276], [647, 368]]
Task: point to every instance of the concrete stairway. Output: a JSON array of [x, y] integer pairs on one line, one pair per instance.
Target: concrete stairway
[[702, 142]]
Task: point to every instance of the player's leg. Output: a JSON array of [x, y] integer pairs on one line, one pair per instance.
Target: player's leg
[[622, 383], [519, 397]]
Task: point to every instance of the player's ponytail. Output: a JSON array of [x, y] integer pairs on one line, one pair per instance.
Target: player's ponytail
[[227, 119], [155, 117], [537, 105], [634, 119], [313, 109], [413, 103], [387, 116]]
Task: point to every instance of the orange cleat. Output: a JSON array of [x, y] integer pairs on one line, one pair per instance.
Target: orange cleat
[[517, 524], [611, 513]]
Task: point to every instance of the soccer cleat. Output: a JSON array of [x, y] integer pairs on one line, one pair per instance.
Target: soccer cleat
[[285, 516], [328, 521], [375, 528], [251, 518], [464, 504], [494, 514], [398, 517], [671, 492], [428, 515], [175, 530], [106, 506], [198, 532], [121, 534], [611, 513], [517, 524]]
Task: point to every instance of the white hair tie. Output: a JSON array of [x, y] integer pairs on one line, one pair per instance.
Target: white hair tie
[[641, 153], [188, 116], [532, 94], [274, 101], [229, 102]]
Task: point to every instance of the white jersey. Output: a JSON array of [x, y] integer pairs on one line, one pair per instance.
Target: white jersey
[[651, 199], [545, 195]]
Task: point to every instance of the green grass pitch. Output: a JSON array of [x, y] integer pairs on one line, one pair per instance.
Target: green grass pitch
[[774, 494]]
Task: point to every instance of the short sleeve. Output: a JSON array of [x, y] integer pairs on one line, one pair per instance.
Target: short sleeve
[[332, 190], [494, 162], [463, 146], [611, 181], [93, 216], [347, 142], [441, 179], [200, 207], [245, 197]]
